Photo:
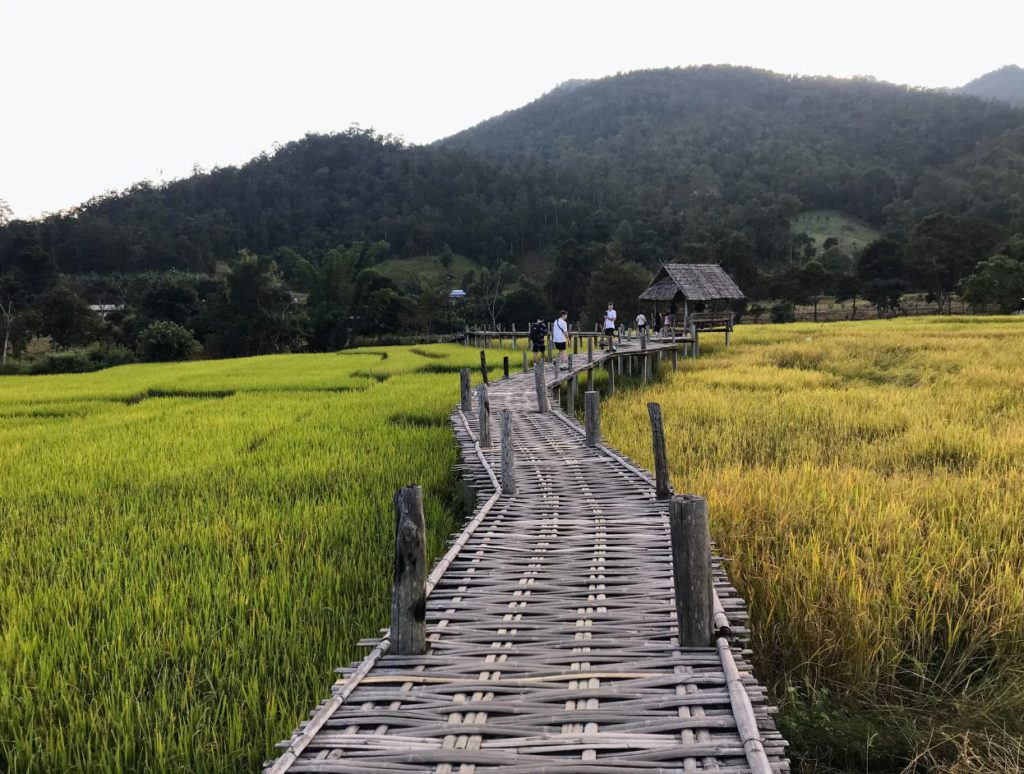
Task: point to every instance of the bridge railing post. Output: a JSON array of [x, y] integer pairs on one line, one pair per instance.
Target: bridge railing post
[[663, 487], [408, 595], [483, 366], [526, 360], [483, 407], [508, 461], [592, 417], [504, 366], [691, 570], [612, 365], [465, 391], [590, 379], [570, 395], [675, 359], [590, 349], [542, 389]]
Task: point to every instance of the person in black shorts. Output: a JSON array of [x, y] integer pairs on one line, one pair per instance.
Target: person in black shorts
[[561, 337], [538, 335]]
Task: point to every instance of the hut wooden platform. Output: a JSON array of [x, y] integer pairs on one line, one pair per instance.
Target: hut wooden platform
[[551, 631]]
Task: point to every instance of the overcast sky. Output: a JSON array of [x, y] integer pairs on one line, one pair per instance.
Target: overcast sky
[[98, 94]]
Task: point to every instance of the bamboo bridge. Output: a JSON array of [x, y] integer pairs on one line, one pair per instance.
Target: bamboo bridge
[[558, 634]]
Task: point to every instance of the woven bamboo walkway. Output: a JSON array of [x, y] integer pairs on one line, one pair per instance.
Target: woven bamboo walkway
[[551, 634]]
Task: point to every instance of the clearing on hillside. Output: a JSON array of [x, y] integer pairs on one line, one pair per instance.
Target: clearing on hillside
[[853, 234]]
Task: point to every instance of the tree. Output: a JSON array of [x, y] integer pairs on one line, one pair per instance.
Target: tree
[[814, 280], [165, 341], [882, 272], [170, 297], [943, 249], [488, 291], [257, 316], [619, 281], [7, 316], [997, 282], [67, 319]]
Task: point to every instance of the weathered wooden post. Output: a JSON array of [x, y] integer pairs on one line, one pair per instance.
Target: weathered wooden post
[[590, 379], [408, 596], [504, 366], [542, 390], [508, 469], [693, 340], [515, 343], [590, 349], [643, 342], [592, 417], [646, 367], [483, 409], [483, 366], [465, 339], [570, 395], [568, 359], [575, 344], [675, 360], [629, 365], [465, 391], [728, 332], [526, 360], [611, 378], [663, 488], [691, 570]]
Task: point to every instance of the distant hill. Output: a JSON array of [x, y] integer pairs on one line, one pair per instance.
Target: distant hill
[[1006, 84], [703, 163]]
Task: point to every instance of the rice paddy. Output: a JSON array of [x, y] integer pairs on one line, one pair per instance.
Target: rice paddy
[[866, 479], [189, 549]]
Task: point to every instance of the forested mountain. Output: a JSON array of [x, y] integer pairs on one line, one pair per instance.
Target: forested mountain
[[1006, 83], [699, 164]]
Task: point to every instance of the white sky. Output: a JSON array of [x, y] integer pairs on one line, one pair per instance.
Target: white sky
[[97, 94]]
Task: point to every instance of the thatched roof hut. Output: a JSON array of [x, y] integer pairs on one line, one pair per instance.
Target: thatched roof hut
[[696, 289]]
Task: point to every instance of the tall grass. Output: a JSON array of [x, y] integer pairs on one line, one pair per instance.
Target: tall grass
[[867, 480], [188, 550]]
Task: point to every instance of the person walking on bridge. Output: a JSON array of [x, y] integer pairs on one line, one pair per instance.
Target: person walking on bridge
[[561, 336], [538, 337], [609, 326]]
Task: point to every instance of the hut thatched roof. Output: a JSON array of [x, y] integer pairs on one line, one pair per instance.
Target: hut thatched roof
[[695, 281]]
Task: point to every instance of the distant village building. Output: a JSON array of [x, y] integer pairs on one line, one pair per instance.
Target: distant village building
[[105, 310], [457, 295], [695, 293]]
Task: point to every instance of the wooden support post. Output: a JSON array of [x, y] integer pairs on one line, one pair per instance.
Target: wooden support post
[[691, 570], [646, 365], [629, 365], [508, 462], [675, 360], [590, 349], [465, 339], [542, 390], [514, 342], [696, 343], [483, 366], [590, 379], [504, 366], [611, 378], [575, 344], [728, 333], [526, 360], [663, 488], [570, 395], [465, 391], [483, 413], [408, 596], [693, 340], [568, 360], [592, 417], [643, 342]]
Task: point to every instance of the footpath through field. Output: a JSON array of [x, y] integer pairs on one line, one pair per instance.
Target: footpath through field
[[551, 634]]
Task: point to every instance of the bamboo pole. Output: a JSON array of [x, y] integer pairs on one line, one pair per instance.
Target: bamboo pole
[[508, 470], [408, 596], [483, 408], [465, 391], [483, 366], [663, 487], [691, 570], [592, 417]]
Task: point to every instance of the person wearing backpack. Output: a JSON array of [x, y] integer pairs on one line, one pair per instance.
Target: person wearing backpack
[[538, 336], [561, 336]]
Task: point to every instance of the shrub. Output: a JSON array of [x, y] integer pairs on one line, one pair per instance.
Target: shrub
[[783, 312], [164, 340], [95, 357]]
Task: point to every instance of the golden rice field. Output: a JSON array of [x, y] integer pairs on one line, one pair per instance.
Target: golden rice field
[[867, 479], [187, 550]]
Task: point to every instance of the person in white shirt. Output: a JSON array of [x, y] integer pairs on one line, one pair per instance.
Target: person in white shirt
[[641, 324], [609, 325], [560, 333]]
